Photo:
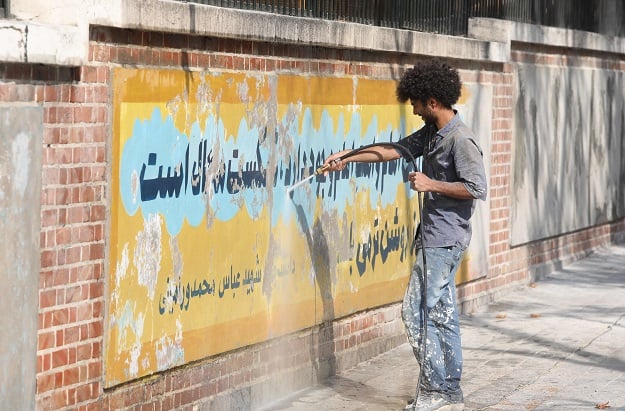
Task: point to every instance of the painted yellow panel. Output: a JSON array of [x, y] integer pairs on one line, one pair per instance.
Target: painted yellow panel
[[208, 250]]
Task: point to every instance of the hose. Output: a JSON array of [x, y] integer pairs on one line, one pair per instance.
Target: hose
[[420, 200]]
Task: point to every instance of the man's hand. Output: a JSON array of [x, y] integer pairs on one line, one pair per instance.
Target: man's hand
[[420, 182], [334, 162]]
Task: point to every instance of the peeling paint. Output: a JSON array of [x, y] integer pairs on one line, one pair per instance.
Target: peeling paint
[[127, 326], [170, 352], [241, 249], [134, 185], [120, 272], [176, 256], [133, 361], [147, 256]]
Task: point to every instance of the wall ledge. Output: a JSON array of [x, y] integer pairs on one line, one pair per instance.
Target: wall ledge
[[28, 42], [175, 16], [68, 43], [508, 31]]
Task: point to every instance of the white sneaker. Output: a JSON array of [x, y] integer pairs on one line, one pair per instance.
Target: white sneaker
[[433, 401]]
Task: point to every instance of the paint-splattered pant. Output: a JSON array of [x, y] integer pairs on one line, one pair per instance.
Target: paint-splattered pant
[[443, 356]]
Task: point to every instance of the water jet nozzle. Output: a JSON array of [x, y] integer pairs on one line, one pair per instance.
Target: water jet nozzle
[[317, 172]]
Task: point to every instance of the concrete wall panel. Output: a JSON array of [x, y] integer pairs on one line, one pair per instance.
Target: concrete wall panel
[[568, 150], [20, 187], [476, 113]]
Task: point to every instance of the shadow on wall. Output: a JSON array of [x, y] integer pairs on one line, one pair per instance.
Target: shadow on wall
[[569, 155], [324, 360]]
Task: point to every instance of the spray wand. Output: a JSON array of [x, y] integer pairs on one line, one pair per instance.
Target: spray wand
[[420, 198], [317, 172]]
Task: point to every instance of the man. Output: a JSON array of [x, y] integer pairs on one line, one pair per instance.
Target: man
[[452, 178]]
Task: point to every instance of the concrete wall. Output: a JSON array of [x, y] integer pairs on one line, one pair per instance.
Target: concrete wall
[[20, 189], [504, 67], [569, 157], [568, 147]]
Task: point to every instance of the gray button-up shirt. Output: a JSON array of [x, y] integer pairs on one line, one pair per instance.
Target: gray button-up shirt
[[450, 154]]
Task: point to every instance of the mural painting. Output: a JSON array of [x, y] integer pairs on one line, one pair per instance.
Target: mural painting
[[209, 251]]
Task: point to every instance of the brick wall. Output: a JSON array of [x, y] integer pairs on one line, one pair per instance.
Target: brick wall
[[77, 107], [511, 266], [73, 215], [541, 257], [75, 175], [501, 272]]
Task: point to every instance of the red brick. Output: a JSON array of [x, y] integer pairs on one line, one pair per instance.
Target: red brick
[[71, 376], [77, 93], [48, 258], [45, 382], [96, 252], [46, 362], [46, 340], [63, 236], [84, 393], [47, 298], [83, 114], [88, 74], [98, 94], [95, 329], [60, 358], [97, 213]]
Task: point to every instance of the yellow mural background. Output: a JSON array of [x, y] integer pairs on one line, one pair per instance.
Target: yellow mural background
[[140, 341]]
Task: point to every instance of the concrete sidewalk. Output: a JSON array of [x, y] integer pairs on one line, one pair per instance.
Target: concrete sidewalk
[[557, 345]]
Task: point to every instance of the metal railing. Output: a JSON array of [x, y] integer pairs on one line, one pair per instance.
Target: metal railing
[[441, 16]]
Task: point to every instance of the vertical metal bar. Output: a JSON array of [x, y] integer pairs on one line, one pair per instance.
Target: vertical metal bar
[[442, 16], [406, 16], [445, 18]]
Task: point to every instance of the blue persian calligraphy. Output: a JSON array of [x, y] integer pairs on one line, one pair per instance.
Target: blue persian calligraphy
[[186, 177]]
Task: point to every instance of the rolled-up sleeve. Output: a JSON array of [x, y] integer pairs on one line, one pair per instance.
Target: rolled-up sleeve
[[470, 167]]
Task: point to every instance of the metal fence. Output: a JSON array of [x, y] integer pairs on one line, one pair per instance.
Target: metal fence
[[440, 16]]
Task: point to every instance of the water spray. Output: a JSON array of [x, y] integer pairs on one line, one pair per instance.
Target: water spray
[[317, 172], [420, 199]]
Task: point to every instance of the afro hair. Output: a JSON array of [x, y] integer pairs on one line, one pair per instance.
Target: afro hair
[[432, 79]]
